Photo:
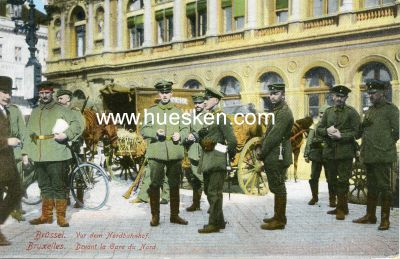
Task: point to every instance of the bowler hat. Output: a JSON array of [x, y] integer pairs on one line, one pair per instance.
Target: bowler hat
[[6, 84]]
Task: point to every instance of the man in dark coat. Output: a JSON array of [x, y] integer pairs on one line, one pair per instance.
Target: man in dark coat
[[9, 178], [380, 132]]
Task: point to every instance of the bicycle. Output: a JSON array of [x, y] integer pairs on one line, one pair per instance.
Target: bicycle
[[84, 176]]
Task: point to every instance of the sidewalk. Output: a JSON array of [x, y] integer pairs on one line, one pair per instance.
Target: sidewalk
[[310, 231]]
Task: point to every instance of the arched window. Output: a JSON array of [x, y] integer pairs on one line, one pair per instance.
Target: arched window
[[134, 5], [192, 84], [265, 80], [317, 82], [374, 70], [230, 86], [78, 24]]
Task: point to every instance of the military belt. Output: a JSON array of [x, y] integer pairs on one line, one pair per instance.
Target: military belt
[[43, 137]]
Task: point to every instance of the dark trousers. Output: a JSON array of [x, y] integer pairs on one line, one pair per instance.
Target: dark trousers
[[12, 191], [339, 172], [53, 179], [194, 176], [213, 187], [378, 179], [276, 174], [157, 173], [316, 168]]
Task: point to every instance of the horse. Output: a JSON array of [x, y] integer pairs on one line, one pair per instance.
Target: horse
[[299, 132]]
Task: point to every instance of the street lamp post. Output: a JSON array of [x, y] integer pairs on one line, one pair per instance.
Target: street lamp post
[[28, 28]]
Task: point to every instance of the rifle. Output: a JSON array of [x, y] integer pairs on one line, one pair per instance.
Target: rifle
[[84, 104], [128, 193]]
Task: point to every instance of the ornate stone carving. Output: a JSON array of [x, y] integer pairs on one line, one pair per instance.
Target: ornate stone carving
[[343, 61], [292, 66]]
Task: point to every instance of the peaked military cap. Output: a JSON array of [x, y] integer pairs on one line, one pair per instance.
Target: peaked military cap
[[211, 92], [63, 92], [373, 85], [198, 98], [340, 89], [164, 86], [6, 84], [48, 85], [276, 87]]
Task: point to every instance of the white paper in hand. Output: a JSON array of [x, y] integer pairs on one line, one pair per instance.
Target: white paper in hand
[[60, 126], [221, 148]]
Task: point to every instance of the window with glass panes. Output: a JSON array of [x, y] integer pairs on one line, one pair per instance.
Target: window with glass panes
[[281, 10], [196, 13], [317, 83], [233, 14], [230, 86], [192, 84], [265, 80], [376, 3], [136, 31], [165, 25], [325, 7], [80, 40], [374, 70], [135, 5]]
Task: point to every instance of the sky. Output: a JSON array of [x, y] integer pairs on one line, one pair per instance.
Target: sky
[[39, 5]]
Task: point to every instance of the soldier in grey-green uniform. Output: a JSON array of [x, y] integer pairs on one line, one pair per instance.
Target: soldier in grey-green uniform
[[47, 148], [195, 177], [164, 131], [339, 127], [217, 140], [64, 98], [313, 153], [380, 132], [276, 153], [143, 196]]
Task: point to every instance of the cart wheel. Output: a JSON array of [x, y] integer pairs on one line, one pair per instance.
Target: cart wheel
[[90, 179], [358, 184], [251, 179], [126, 165]]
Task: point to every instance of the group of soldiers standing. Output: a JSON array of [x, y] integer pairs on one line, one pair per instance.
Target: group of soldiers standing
[[211, 147]]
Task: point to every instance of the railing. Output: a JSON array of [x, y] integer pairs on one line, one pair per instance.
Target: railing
[[231, 37], [389, 11], [271, 30], [162, 48], [321, 22], [194, 43]]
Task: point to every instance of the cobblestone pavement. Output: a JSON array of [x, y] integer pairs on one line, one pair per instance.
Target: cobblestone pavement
[[121, 230]]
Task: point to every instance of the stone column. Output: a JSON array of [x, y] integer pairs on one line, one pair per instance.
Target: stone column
[[179, 21], [107, 33], [212, 17], [295, 12], [148, 30], [347, 6], [119, 24], [63, 32], [252, 14], [89, 30]]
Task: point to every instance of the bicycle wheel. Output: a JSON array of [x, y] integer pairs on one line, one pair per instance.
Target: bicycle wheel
[[93, 182], [31, 195]]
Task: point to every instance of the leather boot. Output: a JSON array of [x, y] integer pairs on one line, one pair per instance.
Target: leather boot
[[196, 201], [370, 217], [208, 229], [61, 210], [47, 213], [269, 220], [3, 240], [314, 192], [385, 213], [332, 199], [154, 195], [79, 196], [340, 214], [280, 221], [174, 205]]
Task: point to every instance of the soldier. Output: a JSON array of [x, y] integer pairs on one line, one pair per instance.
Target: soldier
[[9, 178], [64, 98], [380, 132], [216, 140], [46, 145], [164, 151], [313, 152], [339, 128], [276, 153], [195, 177]]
